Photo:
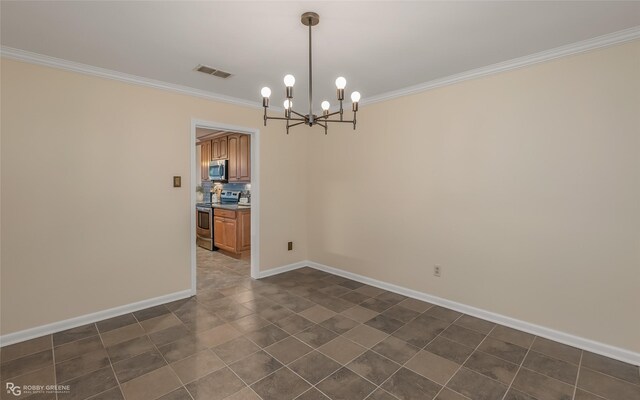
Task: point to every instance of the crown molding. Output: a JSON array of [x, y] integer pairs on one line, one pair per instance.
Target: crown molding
[[547, 55], [41, 59]]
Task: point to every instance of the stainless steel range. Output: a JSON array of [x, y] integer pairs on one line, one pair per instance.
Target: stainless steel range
[[204, 226], [204, 218]]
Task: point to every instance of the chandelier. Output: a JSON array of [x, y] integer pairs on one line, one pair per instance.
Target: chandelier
[[294, 118]]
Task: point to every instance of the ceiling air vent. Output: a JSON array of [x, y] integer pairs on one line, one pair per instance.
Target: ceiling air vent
[[212, 71]]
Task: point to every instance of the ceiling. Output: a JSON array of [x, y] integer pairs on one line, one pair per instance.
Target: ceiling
[[378, 46]]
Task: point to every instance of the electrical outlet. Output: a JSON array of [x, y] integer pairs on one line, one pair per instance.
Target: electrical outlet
[[290, 246], [437, 270]]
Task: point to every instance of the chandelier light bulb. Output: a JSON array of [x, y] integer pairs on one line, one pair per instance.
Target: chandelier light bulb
[[288, 104], [266, 92], [289, 80], [325, 105], [341, 83], [355, 97]]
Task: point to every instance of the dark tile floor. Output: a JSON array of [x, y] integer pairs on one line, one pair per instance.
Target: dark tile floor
[[307, 335]]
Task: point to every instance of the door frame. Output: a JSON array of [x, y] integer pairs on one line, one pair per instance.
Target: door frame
[[255, 191]]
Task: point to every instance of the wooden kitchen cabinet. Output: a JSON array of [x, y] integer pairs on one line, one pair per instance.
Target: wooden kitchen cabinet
[[219, 149], [244, 222], [239, 149], [232, 230], [205, 156]]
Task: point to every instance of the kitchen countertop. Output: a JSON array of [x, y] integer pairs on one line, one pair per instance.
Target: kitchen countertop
[[231, 206]]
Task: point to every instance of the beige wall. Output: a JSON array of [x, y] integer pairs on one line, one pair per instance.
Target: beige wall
[[524, 186], [90, 219]]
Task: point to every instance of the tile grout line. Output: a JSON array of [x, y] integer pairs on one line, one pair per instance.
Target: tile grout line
[[55, 375], [519, 368], [110, 363], [146, 334], [575, 387], [466, 359], [420, 349]]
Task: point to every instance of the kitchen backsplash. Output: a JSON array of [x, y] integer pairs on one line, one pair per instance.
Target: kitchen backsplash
[[208, 187]]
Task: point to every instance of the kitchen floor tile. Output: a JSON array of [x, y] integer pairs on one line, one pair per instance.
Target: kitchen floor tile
[[407, 385], [216, 386], [115, 323], [463, 336], [492, 367], [89, 384], [506, 351], [339, 324], [139, 365], [128, 349], [556, 350], [281, 385], [443, 314], [453, 351], [235, 349], [218, 335], [421, 330], [71, 335], [401, 314], [554, 368], [18, 350], [151, 312], [433, 367], [169, 335], [476, 386], [122, 334], [359, 314], [317, 314], [384, 324], [293, 324], [395, 349], [237, 332], [29, 363], [415, 305], [512, 336], [316, 336], [344, 384], [314, 367], [476, 324], [366, 335], [77, 348], [288, 350], [606, 386], [611, 367], [312, 394], [197, 365], [266, 335], [342, 350], [86, 362], [255, 367], [541, 387], [373, 367]]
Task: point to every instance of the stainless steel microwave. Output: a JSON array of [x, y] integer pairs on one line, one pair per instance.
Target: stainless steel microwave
[[218, 170]]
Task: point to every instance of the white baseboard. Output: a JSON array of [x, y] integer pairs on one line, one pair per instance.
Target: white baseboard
[[54, 327], [561, 337], [280, 270]]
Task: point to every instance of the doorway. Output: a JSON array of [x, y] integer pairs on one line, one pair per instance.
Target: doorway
[[253, 135]]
